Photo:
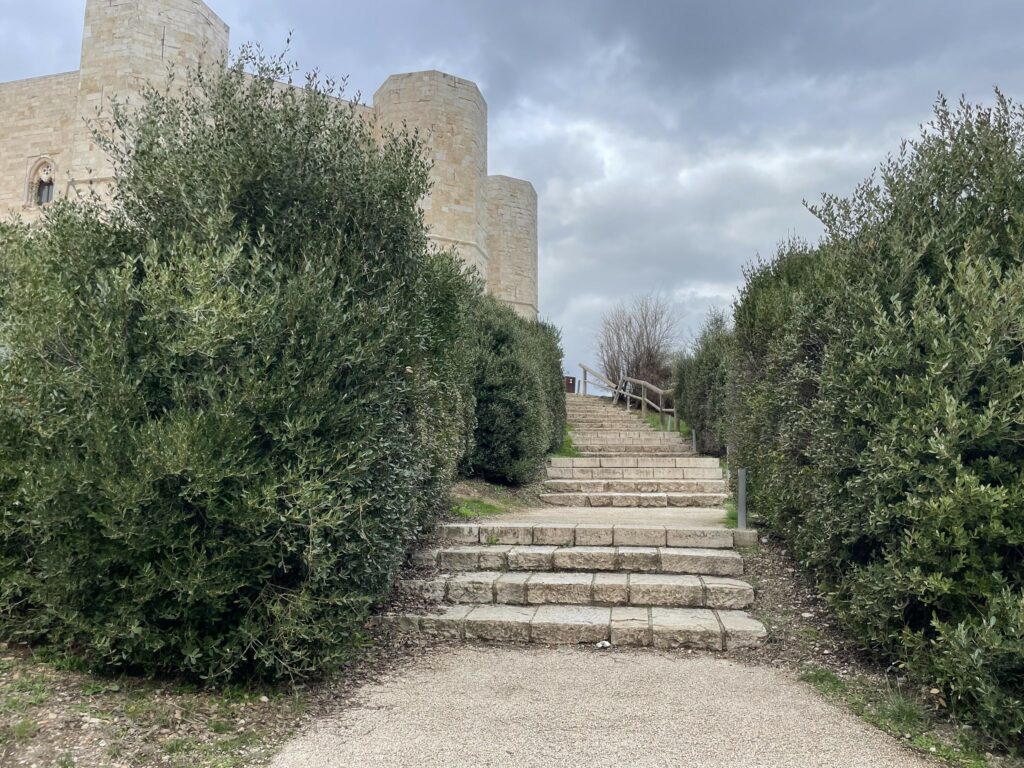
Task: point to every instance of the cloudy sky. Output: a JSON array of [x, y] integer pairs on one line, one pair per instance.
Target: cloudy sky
[[669, 141]]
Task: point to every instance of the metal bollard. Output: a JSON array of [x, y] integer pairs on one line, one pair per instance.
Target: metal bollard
[[741, 499]]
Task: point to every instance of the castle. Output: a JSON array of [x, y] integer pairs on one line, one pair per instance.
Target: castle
[[47, 148]]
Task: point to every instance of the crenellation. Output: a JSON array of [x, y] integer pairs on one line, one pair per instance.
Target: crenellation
[[490, 221]]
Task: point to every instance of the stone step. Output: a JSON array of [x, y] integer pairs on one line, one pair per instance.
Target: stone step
[[634, 485], [643, 462], [625, 437], [704, 500], [586, 588], [594, 450], [641, 559], [589, 535], [634, 473], [664, 628]]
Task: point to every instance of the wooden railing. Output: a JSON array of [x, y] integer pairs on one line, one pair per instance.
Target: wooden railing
[[630, 393]]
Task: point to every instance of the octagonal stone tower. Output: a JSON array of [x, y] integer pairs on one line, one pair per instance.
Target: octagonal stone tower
[[47, 148], [451, 116], [127, 44]]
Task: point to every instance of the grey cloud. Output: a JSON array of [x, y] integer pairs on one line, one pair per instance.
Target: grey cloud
[[669, 141]]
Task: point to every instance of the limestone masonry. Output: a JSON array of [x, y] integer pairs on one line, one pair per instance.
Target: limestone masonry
[[47, 151]]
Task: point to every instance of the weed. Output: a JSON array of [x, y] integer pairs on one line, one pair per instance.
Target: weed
[[470, 508]]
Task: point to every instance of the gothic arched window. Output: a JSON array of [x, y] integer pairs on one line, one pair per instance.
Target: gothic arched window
[[41, 183]]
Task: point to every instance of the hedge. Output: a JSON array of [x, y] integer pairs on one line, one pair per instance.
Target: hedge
[[878, 403], [701, 388], [232, 402], [518, 367]]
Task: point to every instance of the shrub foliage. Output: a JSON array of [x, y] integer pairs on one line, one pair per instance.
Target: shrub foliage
[[232, 401], [518, 366], [878, 402], [701, 389]]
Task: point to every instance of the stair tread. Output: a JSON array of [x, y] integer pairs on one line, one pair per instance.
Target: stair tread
[[664, 628]]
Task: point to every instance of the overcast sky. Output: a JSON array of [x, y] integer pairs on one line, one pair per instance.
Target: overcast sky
[[669, 142]]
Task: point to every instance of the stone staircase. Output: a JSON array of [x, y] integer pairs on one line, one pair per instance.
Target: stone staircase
[[599, 564]]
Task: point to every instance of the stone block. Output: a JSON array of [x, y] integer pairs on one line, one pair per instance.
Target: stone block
[[460, 533], [639, 536], [710, 562], [685, 628], [563, 588], [554, 534], [594, 535], [499, 623], [637, 559], [706, 538], [459, 558], [473, 587], [510, 588], [429, 590], [741, 629], [564, 499], [426, 557], [727, 593], [445, 623], [745, 538], [521, 534], [666, 590], [631, 626], [564, 624], [494, 558], [585, 559], [611, 588], [530, 558]]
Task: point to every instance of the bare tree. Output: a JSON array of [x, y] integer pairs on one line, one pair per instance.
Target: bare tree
[[638, 338]]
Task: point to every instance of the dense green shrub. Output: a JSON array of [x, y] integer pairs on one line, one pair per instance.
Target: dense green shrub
[[878, 399], [520, 413], [234, 400], [701, 389]]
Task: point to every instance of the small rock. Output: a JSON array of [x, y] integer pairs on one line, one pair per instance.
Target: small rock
[[264, 699], [807, 615], [603, 644]]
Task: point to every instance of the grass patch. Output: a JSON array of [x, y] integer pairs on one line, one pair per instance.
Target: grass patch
[[900, 714], [473, 508], [824, 680], [654, 421], [568, 450], [731, 514]]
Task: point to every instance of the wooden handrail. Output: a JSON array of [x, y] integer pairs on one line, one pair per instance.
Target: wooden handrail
[[620, 390]]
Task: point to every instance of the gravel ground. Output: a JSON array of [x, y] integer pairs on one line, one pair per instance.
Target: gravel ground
[[481, 706]]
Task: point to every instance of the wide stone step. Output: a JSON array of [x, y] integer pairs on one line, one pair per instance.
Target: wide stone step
[[664, 628], [591, 450], [634, 499], [588, 535], [635, 485], [634, 473], [626, 437], [641, 559], [621, 462], [587, 588]]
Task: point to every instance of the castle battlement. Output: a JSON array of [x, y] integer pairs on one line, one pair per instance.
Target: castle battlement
[[47, 147]]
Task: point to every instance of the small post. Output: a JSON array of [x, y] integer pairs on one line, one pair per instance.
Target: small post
[[693, 438], [643, 399], [741, 499], [661, 411], [584, 381]]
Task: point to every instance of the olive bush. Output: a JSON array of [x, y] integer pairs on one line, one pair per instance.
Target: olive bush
[[520, 400], [701, 389], [234, 397], [877, 399]]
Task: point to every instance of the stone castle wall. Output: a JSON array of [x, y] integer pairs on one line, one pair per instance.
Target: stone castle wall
[[46, 123]]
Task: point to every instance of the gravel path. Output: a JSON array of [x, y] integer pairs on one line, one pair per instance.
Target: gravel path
[[475, 707]]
